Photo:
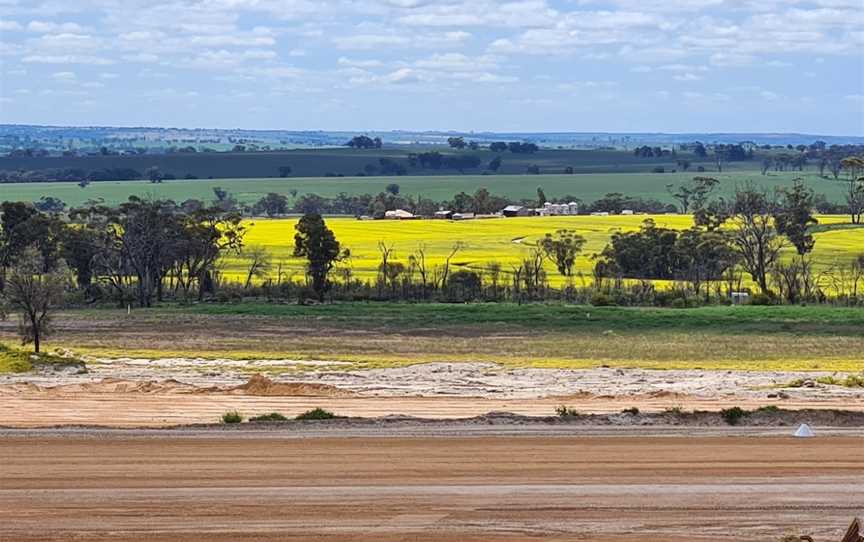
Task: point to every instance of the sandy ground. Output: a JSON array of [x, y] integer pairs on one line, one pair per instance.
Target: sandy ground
[[136, 393], [170, 486]]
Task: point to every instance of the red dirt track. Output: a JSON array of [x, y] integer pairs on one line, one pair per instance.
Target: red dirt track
[[245, 486]]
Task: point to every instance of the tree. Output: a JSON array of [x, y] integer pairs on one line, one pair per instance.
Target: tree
[[284, 171], [755, 238], [35, 293], [693, 195], [272, 204], [364, 142], [794, 216], [561, 249], [456, 142], [154, 174], [258, 261], [317, 243], [541, 197], [21, 226], [50, 204], [855, 194], [494, 164], [392, 188]]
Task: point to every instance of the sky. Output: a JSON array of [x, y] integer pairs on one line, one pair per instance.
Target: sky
[[481, 65]]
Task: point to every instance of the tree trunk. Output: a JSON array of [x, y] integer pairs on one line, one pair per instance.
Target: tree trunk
[[36, 337]]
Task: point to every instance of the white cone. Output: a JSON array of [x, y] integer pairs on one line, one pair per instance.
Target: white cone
[[804, 431]]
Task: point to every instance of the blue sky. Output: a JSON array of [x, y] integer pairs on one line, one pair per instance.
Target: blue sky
[[521, 65]]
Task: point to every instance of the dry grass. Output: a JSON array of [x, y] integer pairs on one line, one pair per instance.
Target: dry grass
[[179, 334]]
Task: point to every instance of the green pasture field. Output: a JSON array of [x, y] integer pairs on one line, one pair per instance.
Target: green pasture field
[[587, 187], [346, 161]]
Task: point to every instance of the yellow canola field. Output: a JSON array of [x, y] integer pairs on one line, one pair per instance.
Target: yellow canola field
[[504, 240]]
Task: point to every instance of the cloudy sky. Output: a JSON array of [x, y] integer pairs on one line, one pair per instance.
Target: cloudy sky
[[526, 65]]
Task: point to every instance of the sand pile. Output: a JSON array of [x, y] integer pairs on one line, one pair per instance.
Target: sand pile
[[262, 386]]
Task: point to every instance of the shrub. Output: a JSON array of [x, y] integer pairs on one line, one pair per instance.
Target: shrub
[[854, 381], [631, 410], [768, 409], [679, 303], [232, 417], [734, 415], [761, 299], [601, 300], [675, 410], [272, 417], [316, 414], [564, 411]]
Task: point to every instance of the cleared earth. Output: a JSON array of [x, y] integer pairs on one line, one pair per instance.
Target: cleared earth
[[248, 486]]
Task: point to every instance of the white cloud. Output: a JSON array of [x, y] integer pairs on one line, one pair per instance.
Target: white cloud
[[687, 77], [64, 76], [49, 27], [67, 59], [10, 26]]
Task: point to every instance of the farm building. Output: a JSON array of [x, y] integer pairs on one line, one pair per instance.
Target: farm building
[[517, 210], [559, 209], [444, 214], [399, 214]]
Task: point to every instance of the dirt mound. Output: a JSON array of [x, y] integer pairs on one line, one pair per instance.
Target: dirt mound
[[106, 385], [262, 386]]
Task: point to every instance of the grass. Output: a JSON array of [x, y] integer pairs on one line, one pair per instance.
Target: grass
[[741, 320], [378, 335], [16, 360], [586, 186]]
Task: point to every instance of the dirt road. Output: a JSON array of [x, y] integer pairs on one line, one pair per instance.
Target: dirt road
[[175, 486]]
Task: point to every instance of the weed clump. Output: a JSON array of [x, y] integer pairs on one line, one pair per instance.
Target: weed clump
[[232, 417], [734, 415], [316, 414], [564, 411]]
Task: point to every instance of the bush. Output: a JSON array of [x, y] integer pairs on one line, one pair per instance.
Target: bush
[[768, 409], [676, 410], [564, 411], [632, 410], [734, 415], [232, 417], [601, 300], [272, 417], [316, 414], [761, 299], [679, 303], [854, 381]]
